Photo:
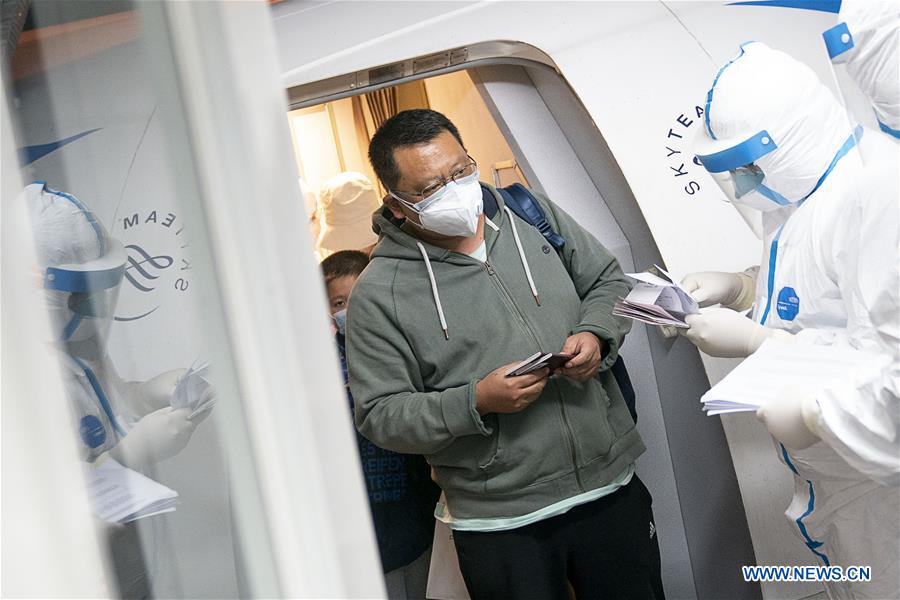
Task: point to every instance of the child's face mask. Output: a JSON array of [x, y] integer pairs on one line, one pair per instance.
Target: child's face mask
[[340, 320]]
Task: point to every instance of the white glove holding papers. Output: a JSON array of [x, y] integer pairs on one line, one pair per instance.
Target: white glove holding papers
[[731, 290], [779, 370], [727, 333], [791, 417], [194, 392], [657, 300]]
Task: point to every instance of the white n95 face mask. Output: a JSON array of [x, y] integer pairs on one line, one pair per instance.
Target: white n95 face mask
[[453, 210]]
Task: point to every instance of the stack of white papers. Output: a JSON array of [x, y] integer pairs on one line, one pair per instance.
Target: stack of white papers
[[777, 364], [193, 391], [119, 495], [657, 300]]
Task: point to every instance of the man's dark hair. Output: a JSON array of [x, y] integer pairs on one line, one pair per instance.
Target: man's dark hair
[[345, 262], [407, 128]]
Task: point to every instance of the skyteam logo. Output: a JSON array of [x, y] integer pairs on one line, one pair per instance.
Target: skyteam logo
[[157, 266], [682, 162]]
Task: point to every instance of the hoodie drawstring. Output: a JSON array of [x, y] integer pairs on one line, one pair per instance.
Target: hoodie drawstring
[[434, 290], [512, 221]]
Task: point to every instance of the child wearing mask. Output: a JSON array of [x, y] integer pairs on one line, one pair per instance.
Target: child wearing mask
[[402, 495]]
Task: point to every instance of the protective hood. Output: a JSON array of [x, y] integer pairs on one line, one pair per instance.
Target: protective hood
[[865, 41], [82, 267], [798, 126], [346, 203]]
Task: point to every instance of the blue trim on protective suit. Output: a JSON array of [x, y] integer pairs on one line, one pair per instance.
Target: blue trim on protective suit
[[811, 506], [833, 42], [779, 199], [888, 130], [71, 326], [65, 280], [848, 145], [774, 196], [745, 153], [770, 280], [709, 94], [98, 390], [829, 6]]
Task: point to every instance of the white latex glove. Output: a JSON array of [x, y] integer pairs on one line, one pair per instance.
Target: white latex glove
[[158, 436], [732, 290], [725, 333], [155, 393], [791, 417]]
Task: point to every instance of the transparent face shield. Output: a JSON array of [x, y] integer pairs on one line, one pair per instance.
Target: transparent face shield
[[732, 165], [839, 44], [82, 299], [738, 182]]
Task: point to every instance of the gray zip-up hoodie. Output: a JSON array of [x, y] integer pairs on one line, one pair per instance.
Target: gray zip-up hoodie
[[425, 324]]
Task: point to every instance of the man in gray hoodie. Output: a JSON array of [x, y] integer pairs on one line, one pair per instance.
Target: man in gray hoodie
[[537, 471]]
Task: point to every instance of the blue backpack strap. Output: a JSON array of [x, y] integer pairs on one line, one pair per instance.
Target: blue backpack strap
[[520, 201], [489, 202]]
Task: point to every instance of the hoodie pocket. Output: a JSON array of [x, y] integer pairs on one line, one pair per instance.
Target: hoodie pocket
[[462, 464], [530, 450], [494, 457]]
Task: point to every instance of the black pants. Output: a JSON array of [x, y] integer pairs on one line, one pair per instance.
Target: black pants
[[606, 549]]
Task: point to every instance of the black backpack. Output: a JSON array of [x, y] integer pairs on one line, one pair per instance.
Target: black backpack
[[526, 207]]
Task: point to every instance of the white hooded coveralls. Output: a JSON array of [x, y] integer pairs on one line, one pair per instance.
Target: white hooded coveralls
[[830, 272]]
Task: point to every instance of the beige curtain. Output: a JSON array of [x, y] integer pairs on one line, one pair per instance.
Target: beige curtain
[[374, 108], [362, 121], [382, 105], [378, 107]]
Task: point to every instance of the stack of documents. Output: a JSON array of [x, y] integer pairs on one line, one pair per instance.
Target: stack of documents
[[119, 495], [193, 391], [657, 300], [776, 365]]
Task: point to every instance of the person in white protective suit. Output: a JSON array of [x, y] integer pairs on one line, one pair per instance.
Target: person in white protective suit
[[866, 43], [864, 48], [82, 269], [777, 141]]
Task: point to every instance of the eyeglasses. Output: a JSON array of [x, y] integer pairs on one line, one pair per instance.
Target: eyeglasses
[[466, 171]]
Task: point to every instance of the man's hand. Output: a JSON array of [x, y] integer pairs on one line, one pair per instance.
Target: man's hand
[[497, 393], [587, 351]]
